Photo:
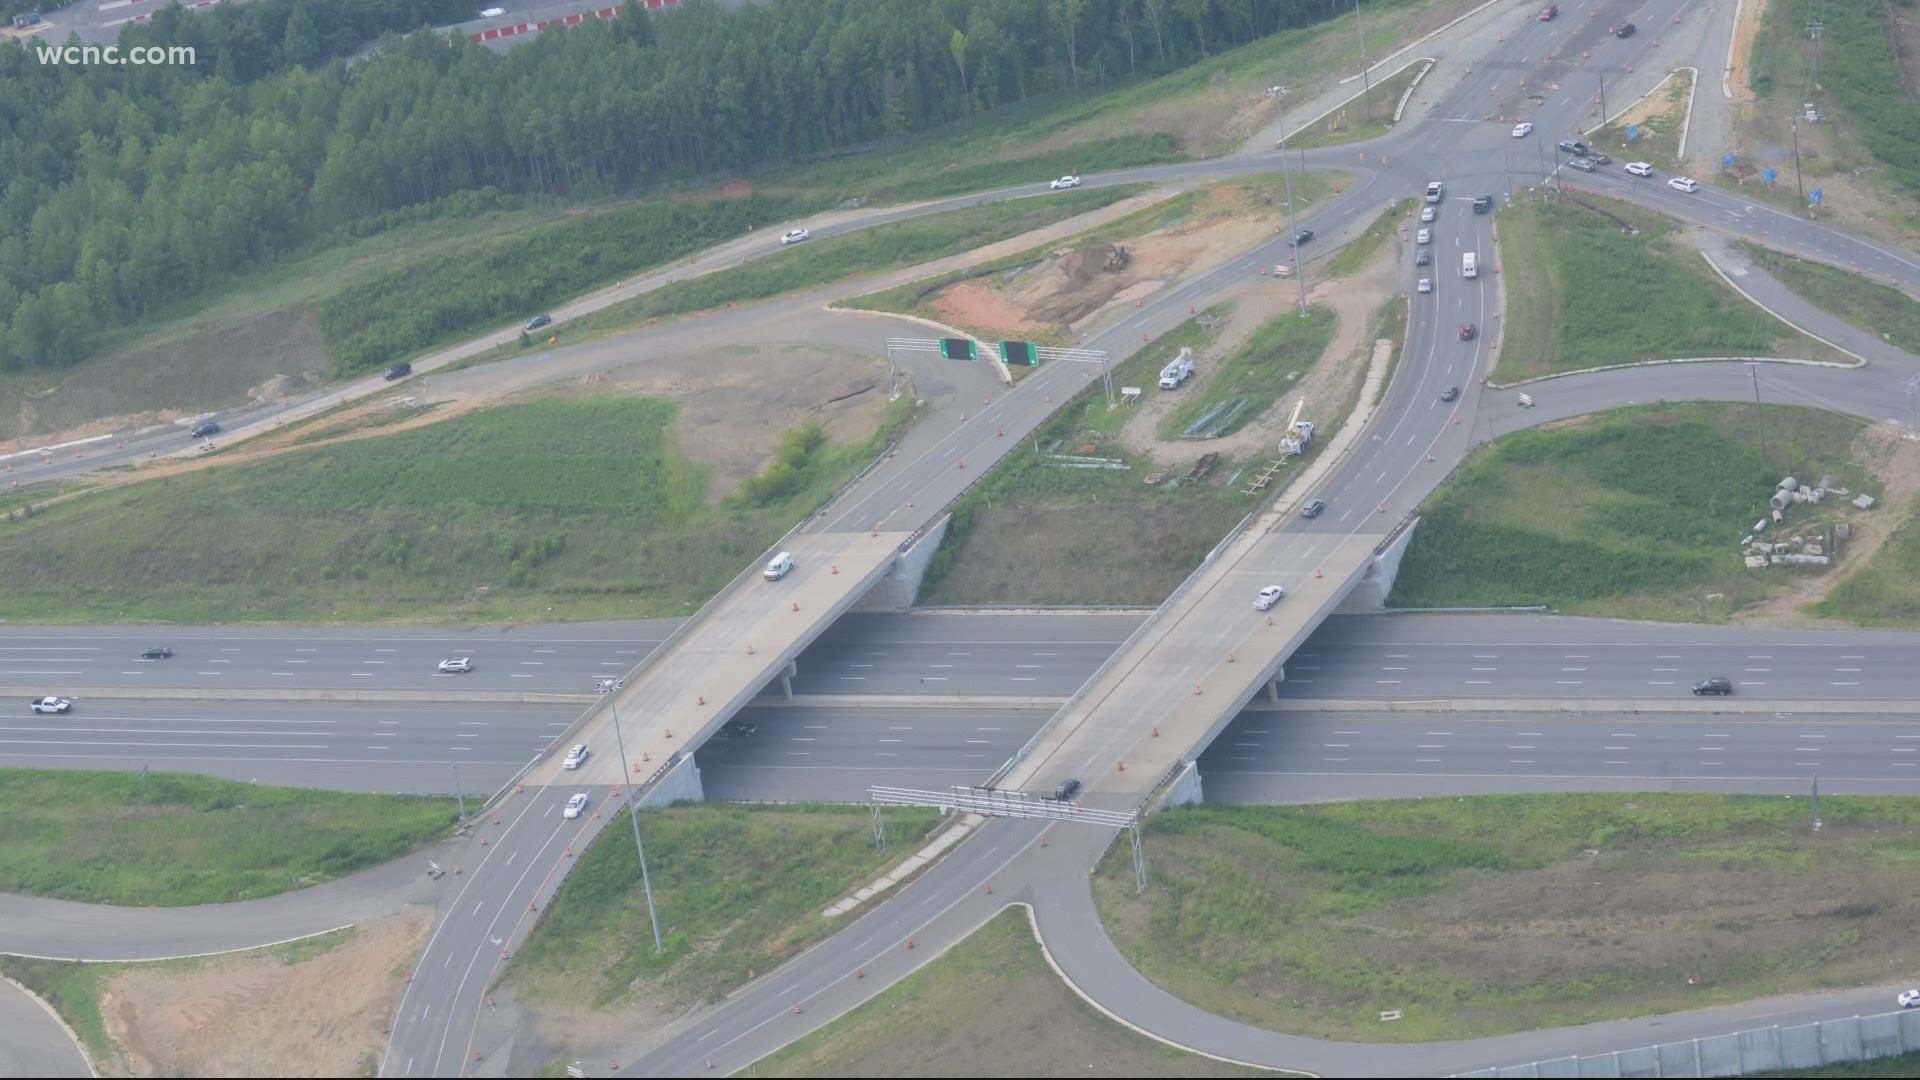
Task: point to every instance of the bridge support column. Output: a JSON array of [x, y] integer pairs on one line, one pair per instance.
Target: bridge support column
[[786, 679], [680, 784], [1184, 788], [1370, 595], [1273, 688]]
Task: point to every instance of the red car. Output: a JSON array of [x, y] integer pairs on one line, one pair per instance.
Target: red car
[[1549, 12], [1466, 331]]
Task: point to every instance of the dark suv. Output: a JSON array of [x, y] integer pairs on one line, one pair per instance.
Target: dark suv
[[538, 321], [1625, 31], [1719, 684], [157, 652], [1482, 203], [1066, 790], [399, 371], [206, 429], [1313, 508]]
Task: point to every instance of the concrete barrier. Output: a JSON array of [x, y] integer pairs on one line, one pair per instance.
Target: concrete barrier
[[270, 693]]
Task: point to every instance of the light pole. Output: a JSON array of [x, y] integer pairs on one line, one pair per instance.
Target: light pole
[[1293, 239], [1506, 159], [1366, 87], [456, 789], [1760, 418], [1794, 123], [1603, 99], [633, 811]]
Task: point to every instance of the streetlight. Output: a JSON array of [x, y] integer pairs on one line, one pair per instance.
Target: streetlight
[[633, 811], [1366, 88], [1294, 238]]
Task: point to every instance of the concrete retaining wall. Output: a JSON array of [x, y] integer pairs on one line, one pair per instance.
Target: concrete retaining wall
[[897, 591], [1370, 596]]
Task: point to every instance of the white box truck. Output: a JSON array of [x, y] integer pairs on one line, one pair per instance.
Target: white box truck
[[1469, 265]]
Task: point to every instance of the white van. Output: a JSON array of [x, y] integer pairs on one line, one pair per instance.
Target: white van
[[1470, 265], [778, 566]]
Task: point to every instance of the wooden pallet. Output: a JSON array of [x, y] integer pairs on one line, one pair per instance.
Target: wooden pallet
[[1201, 467], [1264, 477]]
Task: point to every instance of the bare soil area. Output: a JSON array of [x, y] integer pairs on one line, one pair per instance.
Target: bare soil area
[[269, 1012], [1328, 388], [1068, 295], [1740, 61], [1896, 462]]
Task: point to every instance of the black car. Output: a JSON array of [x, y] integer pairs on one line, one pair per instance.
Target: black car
[[1719, 684], [538, 321], [1574, 146], [1625, 31], [1449, 393], [1598, 157], [1312, 508], [1301, 237], [1066, 789], [739, 729], [157, 652], [399, 371], [206, 429]]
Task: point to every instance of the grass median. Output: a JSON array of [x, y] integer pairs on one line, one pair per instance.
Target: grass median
[[1583, 292], [1493, 914], [737, 888], [1366, 117], [171, 839], [1256, 374], [1633, 513], [556, 508], [1875, 308], [991, 1006]]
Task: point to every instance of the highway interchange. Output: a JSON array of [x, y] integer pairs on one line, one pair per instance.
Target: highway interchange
[[1377, 659]]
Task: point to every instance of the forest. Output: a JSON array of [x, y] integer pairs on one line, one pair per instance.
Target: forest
[[124, 189]]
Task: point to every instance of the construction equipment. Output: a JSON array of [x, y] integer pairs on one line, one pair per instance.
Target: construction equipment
[[1299, 433], [1117, 259]]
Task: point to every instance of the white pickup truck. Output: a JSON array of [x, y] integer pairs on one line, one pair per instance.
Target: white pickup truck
[[1178, 371], [51, 705]]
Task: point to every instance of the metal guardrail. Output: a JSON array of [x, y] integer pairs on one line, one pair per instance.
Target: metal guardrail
[[686, 625]]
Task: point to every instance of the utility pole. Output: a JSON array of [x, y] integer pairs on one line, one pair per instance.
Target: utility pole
[[1760, 419], [1794, 123], [1603, 99], [633, 811], [1366, 85], [1293, 231], [456, 788], [1813, 30], [1506, 159], [1545, 176]]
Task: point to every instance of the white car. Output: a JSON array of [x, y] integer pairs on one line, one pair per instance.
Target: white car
[[52, 705], [575, 806], [1522, 130], [1639, 168], [456, 665], [794, 236], [1427, 213], [1268, 597], [1426, 285], [1065, 182], [1683, 183], [575, 756], [1424, 236], [492, 12], [1909, 999]]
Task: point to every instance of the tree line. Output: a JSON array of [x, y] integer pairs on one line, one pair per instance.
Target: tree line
[[124, 189]]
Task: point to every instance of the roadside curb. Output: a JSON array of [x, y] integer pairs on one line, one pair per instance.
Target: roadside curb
[[92, 1069], [908, 867], [1615, 706], [1344, 102], [1683, 360], [189, 956], [1724, 276]]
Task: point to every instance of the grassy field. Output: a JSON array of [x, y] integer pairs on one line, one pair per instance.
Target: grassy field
[[1902, 1066], [174, 839], [1485, 915], [1886, 591], [1282, 350], [1875, 308], [737, 887], [1037, 532], [553, 509], [991, 1006], [830, 258], [1635, 513], [1367, 117], [1657, 127], [1582, 294]]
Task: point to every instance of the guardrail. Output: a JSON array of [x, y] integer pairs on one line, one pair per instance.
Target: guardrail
[[686, 625]]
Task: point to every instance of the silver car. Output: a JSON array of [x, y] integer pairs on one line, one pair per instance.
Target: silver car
[[576, 756]]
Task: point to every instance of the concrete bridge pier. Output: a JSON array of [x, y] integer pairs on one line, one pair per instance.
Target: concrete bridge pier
[[786, 679], [1369, 595], [680, 784]]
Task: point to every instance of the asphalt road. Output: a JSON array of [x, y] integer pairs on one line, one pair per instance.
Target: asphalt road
[[36, 1043]]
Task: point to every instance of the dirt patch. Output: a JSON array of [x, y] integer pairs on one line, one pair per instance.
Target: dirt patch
[[1740, 61], [205, 362], [269, 1012], [1896, 463], [1328, 387], [1070, 293]]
